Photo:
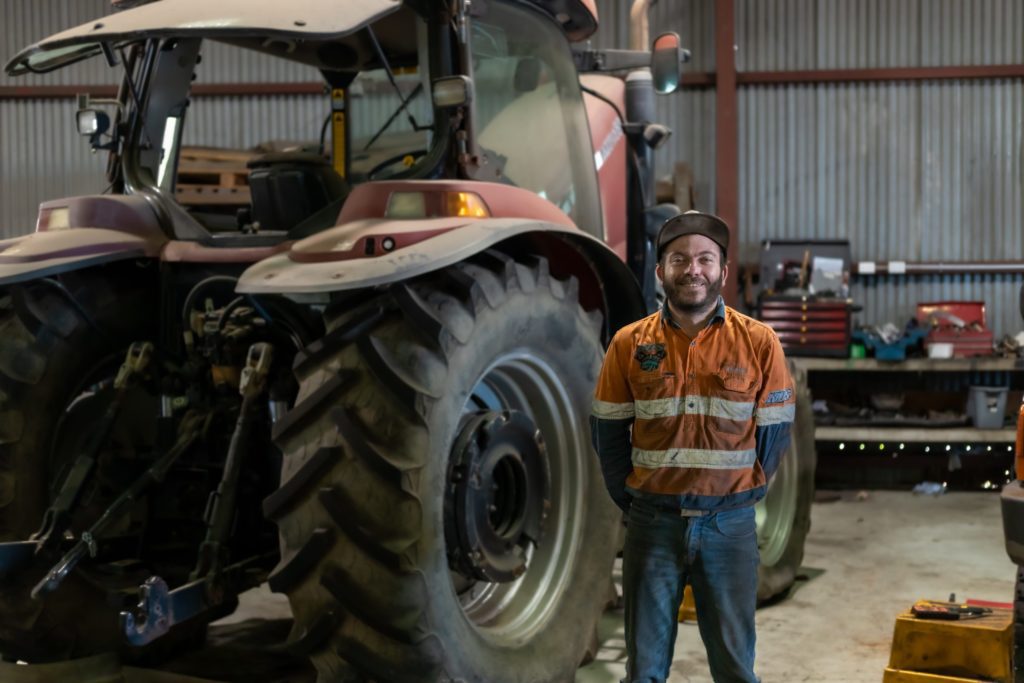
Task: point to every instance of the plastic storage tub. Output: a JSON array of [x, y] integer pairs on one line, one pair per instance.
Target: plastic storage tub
[[987, 406]]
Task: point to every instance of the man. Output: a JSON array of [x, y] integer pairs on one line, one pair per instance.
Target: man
[[691, 416]]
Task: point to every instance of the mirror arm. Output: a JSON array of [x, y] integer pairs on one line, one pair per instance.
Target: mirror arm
[[590, 61]]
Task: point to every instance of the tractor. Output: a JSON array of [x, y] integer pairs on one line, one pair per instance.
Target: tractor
[[368, 383]]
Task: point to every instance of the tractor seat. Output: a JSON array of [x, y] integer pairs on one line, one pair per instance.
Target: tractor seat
[[290, 187]]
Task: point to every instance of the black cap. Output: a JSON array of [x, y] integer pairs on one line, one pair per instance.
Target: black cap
[[694, 223]]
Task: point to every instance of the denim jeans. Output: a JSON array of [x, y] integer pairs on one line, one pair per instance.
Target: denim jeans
[[717, 554]]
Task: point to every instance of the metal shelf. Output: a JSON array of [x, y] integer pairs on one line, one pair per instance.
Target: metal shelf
[[915, 434], [979, 364]]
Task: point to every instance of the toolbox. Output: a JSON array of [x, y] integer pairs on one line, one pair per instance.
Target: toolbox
[[960, 323], [890, 351], [807, 325]]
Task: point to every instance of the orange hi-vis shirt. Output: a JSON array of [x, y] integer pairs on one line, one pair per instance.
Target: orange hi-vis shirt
[[696, 423]]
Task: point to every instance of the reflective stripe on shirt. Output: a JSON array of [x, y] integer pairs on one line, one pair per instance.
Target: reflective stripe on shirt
[[776, 415], [694, 405], [612, 411], [699, 458]]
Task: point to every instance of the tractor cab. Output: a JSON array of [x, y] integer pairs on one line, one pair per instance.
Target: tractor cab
[[357, 101], [352, 104]]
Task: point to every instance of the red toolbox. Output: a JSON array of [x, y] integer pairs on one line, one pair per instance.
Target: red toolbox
[[960, 323], [809, 326]]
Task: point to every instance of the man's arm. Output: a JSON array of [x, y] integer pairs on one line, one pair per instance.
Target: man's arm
[[610, 422], [612, 442], [776, 407]]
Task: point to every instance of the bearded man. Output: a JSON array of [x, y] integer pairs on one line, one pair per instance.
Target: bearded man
[[692, 413]]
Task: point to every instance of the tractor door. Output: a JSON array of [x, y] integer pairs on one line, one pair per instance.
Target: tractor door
[[530, 111]]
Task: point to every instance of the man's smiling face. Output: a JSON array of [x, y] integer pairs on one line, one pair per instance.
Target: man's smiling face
[[692, 272]]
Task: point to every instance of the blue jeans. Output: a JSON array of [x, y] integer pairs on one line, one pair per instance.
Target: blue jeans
[[717, 554]]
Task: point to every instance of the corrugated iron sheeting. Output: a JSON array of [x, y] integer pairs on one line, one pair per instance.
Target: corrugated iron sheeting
[[911, 171], [244, 122], [25, 23], [42, 156], [691, 115], [775, 35], [921, 171]]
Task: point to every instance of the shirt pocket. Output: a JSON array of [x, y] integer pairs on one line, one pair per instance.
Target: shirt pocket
[[655, 396], [731, 403]]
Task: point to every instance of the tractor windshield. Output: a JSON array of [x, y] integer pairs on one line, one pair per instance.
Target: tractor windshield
[[530, 110], [344, 112], [261, 142]]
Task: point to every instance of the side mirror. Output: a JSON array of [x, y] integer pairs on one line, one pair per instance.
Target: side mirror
[[667, 59], [452, 91]]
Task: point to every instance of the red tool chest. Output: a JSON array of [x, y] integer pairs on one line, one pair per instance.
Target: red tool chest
[[960, 323], [809, 326]]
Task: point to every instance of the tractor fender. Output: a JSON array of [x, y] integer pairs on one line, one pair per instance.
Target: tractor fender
[[42, 254], [332, 261], [79, 232]]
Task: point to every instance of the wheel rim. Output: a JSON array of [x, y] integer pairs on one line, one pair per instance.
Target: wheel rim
[[514, 610], [497, 497], [776, 512]]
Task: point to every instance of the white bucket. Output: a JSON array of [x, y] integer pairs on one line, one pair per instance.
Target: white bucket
[[940, 350]]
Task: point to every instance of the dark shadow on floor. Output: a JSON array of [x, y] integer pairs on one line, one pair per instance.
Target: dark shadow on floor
[[251, 650]]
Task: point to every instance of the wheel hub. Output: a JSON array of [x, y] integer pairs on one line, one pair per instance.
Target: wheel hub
[[497, 495]]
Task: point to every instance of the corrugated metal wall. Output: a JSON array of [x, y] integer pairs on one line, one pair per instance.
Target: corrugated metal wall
[[905, 170], [777, 35], [42, 156], [916, 171]]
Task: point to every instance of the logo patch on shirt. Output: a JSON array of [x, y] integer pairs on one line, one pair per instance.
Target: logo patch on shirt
[[650, 356], [734, 370], [778, 396]]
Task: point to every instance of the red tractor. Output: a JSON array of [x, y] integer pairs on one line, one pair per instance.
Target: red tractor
[[388, 351]]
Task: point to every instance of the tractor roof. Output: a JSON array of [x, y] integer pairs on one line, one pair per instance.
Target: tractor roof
[[297, 29]]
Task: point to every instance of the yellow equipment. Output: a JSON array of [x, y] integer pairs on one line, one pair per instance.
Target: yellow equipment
[[687, 609], [955, 651]]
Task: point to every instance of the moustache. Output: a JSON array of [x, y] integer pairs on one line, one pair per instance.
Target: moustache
[[691, 281]]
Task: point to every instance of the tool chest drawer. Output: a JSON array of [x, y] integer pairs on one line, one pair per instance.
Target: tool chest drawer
[[808, 326]]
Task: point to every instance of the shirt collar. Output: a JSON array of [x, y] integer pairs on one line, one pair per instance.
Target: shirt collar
[[719, 313]]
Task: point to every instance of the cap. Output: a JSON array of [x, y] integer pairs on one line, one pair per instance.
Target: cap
[[694, 223]]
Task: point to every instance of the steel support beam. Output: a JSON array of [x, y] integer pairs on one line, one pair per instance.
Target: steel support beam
[[50, 92], [727, 132]]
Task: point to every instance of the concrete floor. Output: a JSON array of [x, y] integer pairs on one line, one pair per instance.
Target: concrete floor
[[865, 561], [868, 557]]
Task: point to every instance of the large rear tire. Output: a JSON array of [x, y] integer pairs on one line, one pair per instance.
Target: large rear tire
[[784, 515], [58, 342], [434, 383]]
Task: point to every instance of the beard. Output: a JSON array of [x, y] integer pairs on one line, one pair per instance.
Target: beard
[[693, 300]]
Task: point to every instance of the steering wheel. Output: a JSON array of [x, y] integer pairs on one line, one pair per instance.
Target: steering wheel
[[397, 158]]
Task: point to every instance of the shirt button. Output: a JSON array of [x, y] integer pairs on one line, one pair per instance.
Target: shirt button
[[693, 343]]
